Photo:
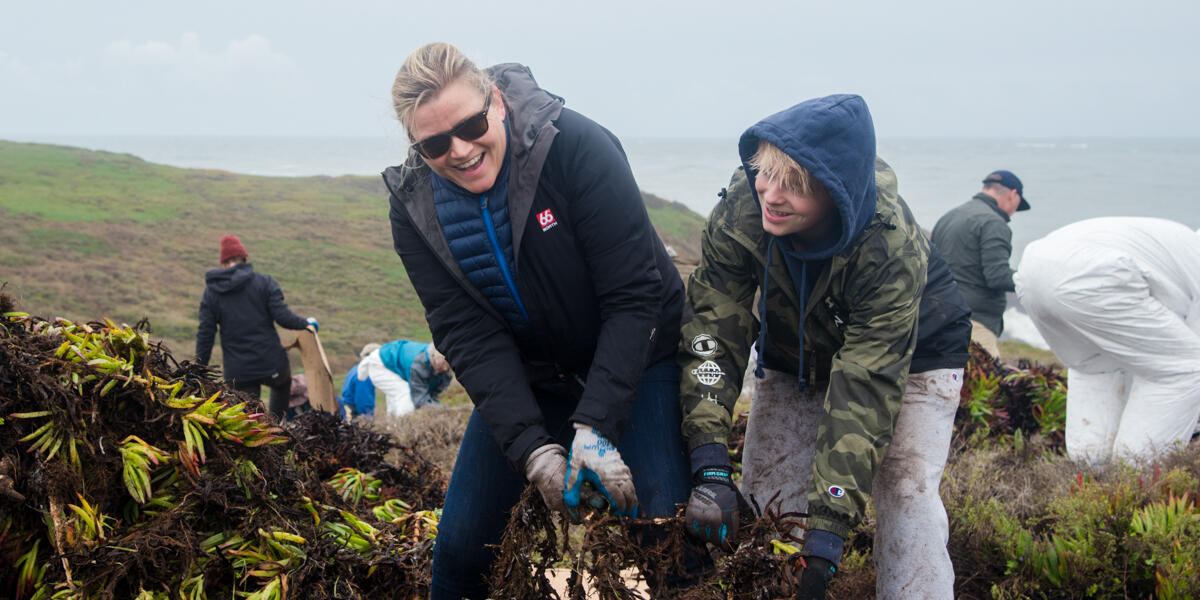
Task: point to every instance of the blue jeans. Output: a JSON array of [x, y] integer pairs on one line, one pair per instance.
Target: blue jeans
[[484, 487]]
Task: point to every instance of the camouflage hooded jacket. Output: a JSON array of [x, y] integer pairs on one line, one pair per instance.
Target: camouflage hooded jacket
[[859, 322]]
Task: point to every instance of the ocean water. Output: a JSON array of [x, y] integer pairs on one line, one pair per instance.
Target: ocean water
[[1065, 180]]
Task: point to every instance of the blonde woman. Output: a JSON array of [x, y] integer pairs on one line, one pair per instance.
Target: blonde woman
[[524, 234]]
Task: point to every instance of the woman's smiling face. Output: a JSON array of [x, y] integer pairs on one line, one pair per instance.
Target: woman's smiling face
[[472, 165]]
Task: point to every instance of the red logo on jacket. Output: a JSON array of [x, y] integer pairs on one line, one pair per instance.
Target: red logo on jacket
[[546, 220]]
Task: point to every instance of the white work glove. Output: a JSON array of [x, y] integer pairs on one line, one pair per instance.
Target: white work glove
[[546, 468], [595, 460]]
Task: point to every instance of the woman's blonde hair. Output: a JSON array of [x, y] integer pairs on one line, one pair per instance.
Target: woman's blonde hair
[[426, 72], [776, 166]]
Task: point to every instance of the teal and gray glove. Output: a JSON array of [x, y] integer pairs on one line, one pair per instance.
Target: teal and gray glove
[[546, 468], [312, 323], [716, 508], [595, 460]]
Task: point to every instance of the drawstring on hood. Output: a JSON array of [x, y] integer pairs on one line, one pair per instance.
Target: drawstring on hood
[[762, 312], [802, 383], [833, 138]]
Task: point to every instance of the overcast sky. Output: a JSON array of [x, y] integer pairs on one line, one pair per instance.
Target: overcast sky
[[642, 68]]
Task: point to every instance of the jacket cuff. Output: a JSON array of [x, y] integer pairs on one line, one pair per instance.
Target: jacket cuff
[[599, 426], [823, 544], [700, 439], [710, 455], [829, 523], [529, 440]]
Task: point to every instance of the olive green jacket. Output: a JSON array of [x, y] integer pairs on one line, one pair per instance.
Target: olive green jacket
[[860, 326]]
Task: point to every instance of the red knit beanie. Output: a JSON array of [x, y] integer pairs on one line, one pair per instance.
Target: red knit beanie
[[231, 248]]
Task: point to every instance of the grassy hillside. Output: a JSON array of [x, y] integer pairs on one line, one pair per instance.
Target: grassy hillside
[[86, 233]]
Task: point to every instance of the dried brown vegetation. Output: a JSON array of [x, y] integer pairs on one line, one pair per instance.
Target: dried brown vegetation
[[435, 431], [244, 507], [671, 564], [1025, 521]]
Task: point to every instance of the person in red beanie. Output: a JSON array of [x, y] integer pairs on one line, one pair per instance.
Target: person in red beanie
[[232, 248], [244, 306]]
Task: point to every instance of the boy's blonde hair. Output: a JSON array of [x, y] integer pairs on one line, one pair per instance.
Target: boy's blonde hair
[[426, 72], [776, 166]]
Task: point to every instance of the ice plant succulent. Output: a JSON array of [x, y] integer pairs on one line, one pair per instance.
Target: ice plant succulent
[[139, 457]]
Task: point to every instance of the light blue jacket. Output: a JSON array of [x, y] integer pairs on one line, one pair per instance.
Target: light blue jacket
[[410, 360]]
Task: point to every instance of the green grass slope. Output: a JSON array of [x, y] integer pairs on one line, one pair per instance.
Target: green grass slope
[[85, 233]]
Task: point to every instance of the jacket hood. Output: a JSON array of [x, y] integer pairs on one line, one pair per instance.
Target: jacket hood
[[223, 281], [530, 109], [834, 139]]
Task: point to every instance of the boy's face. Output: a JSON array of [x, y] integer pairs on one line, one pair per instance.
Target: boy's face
[[785, 212]]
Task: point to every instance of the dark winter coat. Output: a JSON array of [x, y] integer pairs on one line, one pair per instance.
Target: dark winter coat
[[976, 242], [244, 306], [603, 298]]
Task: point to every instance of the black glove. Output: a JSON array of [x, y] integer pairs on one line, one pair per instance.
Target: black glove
[[814, 578], [714, 512]]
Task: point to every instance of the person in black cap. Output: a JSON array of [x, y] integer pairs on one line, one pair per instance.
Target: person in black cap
[[976, 240]]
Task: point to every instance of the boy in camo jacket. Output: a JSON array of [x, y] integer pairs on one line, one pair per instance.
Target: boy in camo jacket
[[854, 396]]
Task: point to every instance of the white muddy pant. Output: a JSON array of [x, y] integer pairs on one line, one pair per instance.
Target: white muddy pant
[[1118, 300], [911, 559], [396, 393]]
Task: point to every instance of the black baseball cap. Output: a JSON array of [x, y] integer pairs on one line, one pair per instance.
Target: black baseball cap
[[1010, 181]]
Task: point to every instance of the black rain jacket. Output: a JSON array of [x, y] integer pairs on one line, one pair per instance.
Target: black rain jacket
[[245, 306], [603, 297]]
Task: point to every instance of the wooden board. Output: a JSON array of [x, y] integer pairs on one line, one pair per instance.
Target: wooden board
[[316, 371]]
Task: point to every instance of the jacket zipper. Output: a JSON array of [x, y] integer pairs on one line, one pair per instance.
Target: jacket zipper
[[491, 231]]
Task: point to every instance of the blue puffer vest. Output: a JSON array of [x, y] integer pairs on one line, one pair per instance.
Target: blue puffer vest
[[479, 233]]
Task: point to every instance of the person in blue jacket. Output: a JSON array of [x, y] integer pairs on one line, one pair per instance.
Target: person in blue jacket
[[527, 240], [358, 393], [409, 374]]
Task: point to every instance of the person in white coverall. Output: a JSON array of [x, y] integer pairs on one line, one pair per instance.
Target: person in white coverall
[[1118, 300]]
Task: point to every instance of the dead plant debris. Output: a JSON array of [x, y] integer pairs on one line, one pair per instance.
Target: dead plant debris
[[125, 473]]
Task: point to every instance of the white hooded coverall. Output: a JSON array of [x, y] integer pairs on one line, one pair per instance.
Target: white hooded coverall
[[1118, 300], [396, 392]]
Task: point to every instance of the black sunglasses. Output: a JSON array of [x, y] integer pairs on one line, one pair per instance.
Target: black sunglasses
[[468, 130]]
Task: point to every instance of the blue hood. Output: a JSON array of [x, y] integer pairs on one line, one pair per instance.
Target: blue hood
[[834, 139]]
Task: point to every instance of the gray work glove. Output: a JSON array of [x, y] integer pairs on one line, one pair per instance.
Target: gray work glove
[[594, 460], [546, 468]]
